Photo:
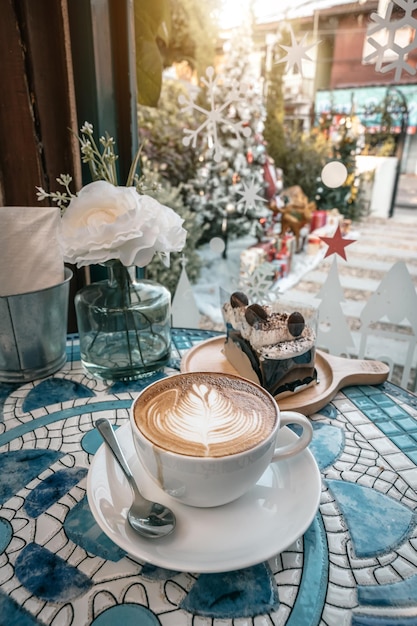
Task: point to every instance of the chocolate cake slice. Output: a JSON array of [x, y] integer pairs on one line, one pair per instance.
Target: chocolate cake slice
[[271, 345]]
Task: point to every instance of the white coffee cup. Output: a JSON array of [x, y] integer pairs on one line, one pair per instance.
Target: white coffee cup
[[207, 438]]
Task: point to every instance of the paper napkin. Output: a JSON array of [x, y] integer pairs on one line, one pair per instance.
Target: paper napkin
[[30, 253]]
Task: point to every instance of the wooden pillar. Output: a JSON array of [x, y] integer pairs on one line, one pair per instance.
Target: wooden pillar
[[37, 102], [63, 62]]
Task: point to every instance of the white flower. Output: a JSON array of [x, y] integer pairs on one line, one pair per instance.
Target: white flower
[[106, 222]]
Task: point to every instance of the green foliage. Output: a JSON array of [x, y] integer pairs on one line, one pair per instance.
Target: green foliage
[[156, 270], [300, 155], [345, 198], [304, 158], [274, 122], [161, 131]]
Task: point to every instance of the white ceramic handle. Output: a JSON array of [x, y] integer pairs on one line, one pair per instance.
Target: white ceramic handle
[[291, 417]]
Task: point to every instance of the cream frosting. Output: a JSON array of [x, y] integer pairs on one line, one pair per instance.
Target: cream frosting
[[271, 338]]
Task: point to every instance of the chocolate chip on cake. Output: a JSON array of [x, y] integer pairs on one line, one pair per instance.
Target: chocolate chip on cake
[[255, 313], [296, 324], [238, 299]]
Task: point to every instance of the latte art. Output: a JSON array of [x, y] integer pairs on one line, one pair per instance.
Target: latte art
[[205, 417]]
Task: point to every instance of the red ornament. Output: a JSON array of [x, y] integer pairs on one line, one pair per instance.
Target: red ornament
[[337, 244]]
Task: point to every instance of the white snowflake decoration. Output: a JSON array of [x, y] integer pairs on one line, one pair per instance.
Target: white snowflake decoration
[[250, 195], [392, 41], [258, 285], [217, 116], [296, 52]]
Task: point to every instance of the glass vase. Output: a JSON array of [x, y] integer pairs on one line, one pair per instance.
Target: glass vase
[[124, 325]]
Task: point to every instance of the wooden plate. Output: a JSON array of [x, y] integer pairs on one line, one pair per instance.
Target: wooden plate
[[333, 373]]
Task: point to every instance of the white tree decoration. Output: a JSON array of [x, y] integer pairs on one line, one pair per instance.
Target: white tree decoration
[[393, 303], [184, 310], [333, 331]]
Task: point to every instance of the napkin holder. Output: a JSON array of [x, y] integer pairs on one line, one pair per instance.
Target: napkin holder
[[33, 332], [34, 293]]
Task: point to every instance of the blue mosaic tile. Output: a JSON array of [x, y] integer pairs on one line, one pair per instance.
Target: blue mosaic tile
[[20, 467], [153, 572], [5, 390], [352, 392], [54, 391], [135, 385], [389, 428], [409, 424], [373, 390], [404, 442], [14, 615], [175, 363], [329, 411], [412, 455], [382, 401], [363, 403], [6, 533], [52, 489], [48, 576], [81, 527], [92, 440], [375, 414], [382, 620], [402, 394], [312, 591], [402, 594], [128, 614], [243, 593], [73, 348], [327, 444], [395, 412], [376, 522]]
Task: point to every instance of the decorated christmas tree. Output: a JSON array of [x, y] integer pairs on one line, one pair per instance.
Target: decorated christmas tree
[[228, 189]]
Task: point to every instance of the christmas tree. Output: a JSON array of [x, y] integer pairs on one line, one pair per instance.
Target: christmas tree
[[227, 191], [333, 331]]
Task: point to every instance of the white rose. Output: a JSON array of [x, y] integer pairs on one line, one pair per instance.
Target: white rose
[[105, 222]]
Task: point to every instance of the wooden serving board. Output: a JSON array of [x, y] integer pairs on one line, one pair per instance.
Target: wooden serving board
[[333, 373]]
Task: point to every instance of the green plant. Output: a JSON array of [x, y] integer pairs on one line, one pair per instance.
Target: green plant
[[304, 158], [156, 270], [161, 131], [101, 160]]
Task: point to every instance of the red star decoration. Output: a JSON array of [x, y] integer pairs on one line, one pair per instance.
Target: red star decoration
[[337, 244]]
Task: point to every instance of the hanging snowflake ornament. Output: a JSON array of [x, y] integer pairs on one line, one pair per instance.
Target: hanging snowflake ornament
[[216, 116], [250, 195], [296, 52], [393, 40], [257, 285]]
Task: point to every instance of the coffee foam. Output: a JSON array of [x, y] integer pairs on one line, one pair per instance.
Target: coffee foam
[[205, 415]]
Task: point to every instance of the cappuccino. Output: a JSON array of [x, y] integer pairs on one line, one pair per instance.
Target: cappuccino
[[205, 414]]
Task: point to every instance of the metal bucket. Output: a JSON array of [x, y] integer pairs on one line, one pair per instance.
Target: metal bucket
[[33, 332]]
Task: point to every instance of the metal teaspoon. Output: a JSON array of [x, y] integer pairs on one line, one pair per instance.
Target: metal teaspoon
[[149, 519]]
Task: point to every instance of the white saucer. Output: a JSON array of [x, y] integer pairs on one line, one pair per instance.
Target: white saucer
[[262, 523]]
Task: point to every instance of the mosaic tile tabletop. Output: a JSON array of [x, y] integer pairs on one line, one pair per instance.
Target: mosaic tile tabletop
[[355, 565]]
